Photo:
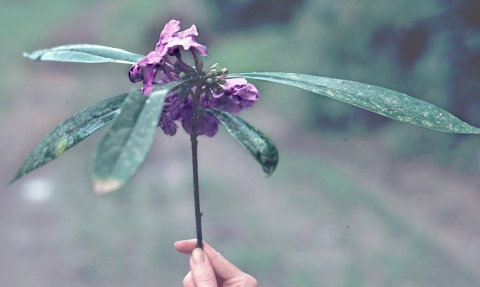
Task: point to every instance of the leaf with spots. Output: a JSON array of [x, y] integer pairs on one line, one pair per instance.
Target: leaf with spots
[[379, 100], [72, 131], [124, 146], [84, 53], [255, 142]]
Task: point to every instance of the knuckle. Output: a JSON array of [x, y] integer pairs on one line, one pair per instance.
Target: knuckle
[[245, 281], [205, 277]]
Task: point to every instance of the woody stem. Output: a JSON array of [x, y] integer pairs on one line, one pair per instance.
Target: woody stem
[[197, 114]]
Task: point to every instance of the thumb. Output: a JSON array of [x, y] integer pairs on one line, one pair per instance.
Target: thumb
[[202, 270]]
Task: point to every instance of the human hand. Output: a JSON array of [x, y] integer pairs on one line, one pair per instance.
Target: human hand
[[212, 270]]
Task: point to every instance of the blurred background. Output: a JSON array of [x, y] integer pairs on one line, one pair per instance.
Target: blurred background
[[357, 199]]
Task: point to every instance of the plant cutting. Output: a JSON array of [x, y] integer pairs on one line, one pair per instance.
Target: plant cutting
[[176, 92]]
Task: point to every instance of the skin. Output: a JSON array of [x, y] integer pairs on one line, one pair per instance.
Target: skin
[[209, 268]]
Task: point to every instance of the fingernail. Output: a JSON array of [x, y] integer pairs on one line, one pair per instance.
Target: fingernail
[[198, 256]]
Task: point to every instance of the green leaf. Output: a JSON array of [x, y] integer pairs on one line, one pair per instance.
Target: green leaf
[[379, 100], [124, 146], [71, 132], [84, 53], [255, 142]]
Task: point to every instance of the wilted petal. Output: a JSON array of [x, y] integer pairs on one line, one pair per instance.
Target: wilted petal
[[232, 83], [187, 122], [148, 78], [241, 93], [211, 129], [201, 127], [248, 92], [135, 73], [219, 102], [232, 107], [168, 125]]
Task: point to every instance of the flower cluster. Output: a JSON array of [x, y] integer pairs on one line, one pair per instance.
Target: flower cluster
[[210, 88]]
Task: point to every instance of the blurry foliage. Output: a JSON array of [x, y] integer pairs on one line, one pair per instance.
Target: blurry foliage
[[245, 14], [428, 49], [448, 150]]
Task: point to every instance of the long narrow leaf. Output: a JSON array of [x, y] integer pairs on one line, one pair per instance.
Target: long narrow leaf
[[84, 53], [124, 146], [379, 100], [72, 131], [255, 142]]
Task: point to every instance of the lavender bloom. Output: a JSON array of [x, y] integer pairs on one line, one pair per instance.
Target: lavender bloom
[[170, 40], [237, 95], [214, 90]]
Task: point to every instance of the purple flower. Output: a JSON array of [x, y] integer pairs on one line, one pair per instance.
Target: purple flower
[[170, 39], [237, 95], [170, 113], [210, 88], [208, 124]]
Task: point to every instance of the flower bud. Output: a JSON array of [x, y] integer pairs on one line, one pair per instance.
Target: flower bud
[[215, 67], [209, 81]]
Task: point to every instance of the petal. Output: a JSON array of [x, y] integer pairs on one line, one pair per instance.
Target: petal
[[168, 126], [220, 103], [249, 92], [186, 43], [211, 119], [215, 95], [232, 107], [187, 123], [211, 130], [232, 83], [153, 58], [176, 112], [135, 73], [168, 31], [201, 127], [148, 77]]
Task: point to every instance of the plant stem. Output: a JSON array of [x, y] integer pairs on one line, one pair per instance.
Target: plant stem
[[196, 190]]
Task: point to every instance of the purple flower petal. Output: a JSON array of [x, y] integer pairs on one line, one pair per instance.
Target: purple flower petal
[[170, 28], [135, 73], [186, 39], [211, 130], [148, 77], [187, 122], [168, 125], [145, 69]]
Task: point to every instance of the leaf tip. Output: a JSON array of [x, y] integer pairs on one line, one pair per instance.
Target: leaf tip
[[269, 167], [106, 186], [30, 56], [12, 180], [19, 174]]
